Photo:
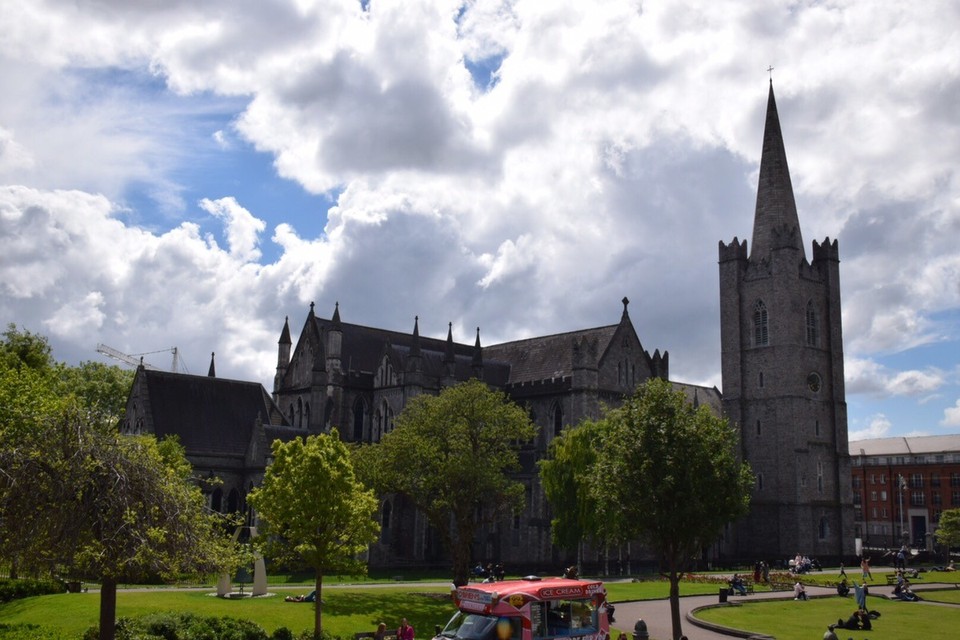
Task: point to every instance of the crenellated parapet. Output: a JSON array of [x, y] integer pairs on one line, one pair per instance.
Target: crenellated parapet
[[828, 251], [546, 386], [736, 250], [660, 364]]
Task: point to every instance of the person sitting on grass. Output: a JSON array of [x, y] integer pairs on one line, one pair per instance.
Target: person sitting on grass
[[859, 620], [310, 597]]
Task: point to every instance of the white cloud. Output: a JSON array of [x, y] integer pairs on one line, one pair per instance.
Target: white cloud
[[868, 376], [877, 427], [242, 229], [616, 147], [951, 416]]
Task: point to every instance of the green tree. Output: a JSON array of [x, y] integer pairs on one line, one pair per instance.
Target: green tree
[[314, 510], [948, 529], [20, 349], [668, 474], [105, 506], [450, 455], [97, 386], [566, 478]]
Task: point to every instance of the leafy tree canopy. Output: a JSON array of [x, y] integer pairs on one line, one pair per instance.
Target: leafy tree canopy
[[667, 473], [948, 529], [566, 478], [450, 455], [79, 499], [314, 510], [20, 349]]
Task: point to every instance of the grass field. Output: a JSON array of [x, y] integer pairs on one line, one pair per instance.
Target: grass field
[[792, 620], [346, 611], [349, 609]]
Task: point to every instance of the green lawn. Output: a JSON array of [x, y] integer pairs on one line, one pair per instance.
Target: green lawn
[[349, 609], [792, 620], [346, 611]]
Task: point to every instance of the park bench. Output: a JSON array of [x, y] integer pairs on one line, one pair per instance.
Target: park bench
[[891, 578]]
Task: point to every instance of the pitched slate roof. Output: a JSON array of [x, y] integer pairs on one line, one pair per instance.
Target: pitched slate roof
[[545, 357], [699, 395], [362, 347], [209, 415]]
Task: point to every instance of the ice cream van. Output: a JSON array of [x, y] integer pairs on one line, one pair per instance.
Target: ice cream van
[[530, 609]]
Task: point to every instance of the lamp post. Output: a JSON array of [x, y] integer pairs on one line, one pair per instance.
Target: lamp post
[[901, 485]]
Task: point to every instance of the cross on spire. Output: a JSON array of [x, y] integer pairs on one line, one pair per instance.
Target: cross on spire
[[770, 71]]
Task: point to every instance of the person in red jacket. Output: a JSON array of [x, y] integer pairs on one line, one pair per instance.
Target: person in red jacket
[[404, 631]]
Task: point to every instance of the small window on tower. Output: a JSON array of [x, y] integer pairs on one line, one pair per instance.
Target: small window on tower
[[813, 326], [761, 334]]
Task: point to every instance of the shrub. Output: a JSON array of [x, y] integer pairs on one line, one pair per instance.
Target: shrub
[[183, 626], [28, 587], [28, 632]]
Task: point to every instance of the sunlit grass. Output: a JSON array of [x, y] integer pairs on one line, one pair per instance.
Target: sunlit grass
[[798, 620], [346, 611]]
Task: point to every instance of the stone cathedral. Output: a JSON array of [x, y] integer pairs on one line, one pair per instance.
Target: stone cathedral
[[782, 367]]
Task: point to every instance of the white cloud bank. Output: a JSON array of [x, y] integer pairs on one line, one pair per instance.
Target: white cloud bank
[[613, 146]]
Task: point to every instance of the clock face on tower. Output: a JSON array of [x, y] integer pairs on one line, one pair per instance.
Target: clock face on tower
[[814, 382]]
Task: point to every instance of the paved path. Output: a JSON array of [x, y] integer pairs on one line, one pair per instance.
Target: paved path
[[656, 613]]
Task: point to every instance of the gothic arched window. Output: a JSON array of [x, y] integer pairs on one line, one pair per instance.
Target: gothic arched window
[[761, 334], [557, 419]]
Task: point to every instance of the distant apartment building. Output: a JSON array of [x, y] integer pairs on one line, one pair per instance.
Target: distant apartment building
[[901, 486]]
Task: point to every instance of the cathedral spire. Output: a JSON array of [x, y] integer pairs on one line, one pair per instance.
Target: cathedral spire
[[212, 371], [477, 351], [415, 344], [448, 355], [776, 210]]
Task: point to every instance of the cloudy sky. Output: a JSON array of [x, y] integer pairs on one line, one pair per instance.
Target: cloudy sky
[[182, 173]]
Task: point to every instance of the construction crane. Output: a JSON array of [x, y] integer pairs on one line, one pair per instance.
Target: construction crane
[[136, 359]]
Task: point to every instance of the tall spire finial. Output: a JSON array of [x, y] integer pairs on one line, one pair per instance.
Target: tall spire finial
[[775, 220], [770, 71]]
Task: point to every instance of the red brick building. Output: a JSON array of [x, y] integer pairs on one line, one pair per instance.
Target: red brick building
[[901, 486]]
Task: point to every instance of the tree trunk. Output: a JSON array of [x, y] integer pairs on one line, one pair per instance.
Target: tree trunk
[[462, 534], [318, 609], [675, 601], [108, 609]]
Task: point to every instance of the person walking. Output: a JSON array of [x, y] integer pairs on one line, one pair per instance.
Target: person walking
[[865, 569]]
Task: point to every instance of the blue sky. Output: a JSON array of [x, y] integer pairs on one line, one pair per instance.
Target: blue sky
[[189, 174]]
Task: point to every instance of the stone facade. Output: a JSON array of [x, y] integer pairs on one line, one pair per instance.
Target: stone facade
[[359, 379], [782, 367]]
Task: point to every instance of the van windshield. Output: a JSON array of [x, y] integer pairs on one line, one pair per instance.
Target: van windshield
[[472, 626]]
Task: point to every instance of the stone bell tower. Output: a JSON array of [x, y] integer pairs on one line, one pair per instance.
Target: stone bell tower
[[782, 367]]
